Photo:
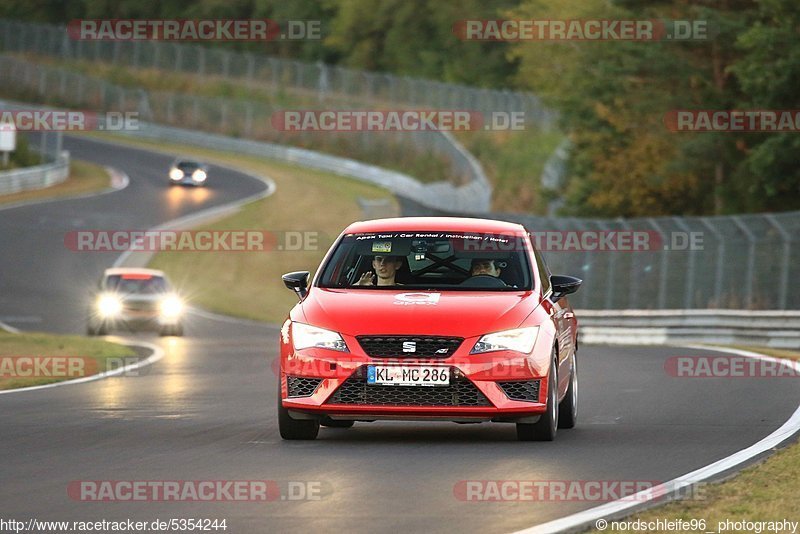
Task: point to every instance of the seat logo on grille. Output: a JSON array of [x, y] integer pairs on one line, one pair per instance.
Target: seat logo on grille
[[409, 346]]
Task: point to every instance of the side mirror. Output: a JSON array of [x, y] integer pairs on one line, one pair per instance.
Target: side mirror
[[563, 285], [297, 282]]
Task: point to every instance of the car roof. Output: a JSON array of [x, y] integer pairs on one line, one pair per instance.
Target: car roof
[[421, 224], [133, 270]]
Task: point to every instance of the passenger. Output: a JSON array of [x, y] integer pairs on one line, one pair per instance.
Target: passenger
[[485, 267]]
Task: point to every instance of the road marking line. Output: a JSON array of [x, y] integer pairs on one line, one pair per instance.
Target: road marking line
[[616, 508], [157, 354]]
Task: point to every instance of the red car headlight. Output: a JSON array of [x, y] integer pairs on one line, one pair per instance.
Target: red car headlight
[[518, 340], [305, 336]]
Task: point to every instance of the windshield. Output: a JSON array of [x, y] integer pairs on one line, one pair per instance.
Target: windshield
[[188, 166], [136, 284], [422, 260]]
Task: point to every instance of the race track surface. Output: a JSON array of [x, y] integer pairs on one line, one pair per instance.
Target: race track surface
[[206, 411]]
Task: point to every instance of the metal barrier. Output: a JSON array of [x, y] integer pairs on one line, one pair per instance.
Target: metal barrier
[[53, 170], [470, 194], [777, 329], [316, 81]]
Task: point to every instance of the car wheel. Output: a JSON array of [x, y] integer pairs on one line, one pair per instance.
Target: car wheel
[[294, 429], [335, 423], [545, 428], [568, 409]]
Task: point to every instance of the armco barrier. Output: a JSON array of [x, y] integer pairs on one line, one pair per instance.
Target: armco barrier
[[37, 177], [772, 328]]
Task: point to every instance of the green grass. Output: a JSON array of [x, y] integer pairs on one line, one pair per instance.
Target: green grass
[[766, 491], [514, 162], [248, 284], [90, 355], [84, 177]]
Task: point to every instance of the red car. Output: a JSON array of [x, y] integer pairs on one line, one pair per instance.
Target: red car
[[430, 319]]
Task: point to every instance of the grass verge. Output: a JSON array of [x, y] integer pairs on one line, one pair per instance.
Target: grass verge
[[84, 177], [766, 491], [311, 203], [52, 358]]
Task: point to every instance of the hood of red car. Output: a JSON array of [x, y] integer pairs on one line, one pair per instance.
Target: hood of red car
[[455, 313]]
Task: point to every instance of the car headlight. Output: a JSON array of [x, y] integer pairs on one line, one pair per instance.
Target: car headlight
[[171, 306], [175, 174], [305, 336], [109, 305], [518, 340], [199, 176]]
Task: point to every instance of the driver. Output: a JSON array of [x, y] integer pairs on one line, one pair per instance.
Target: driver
[[385, 267], [485, 267]]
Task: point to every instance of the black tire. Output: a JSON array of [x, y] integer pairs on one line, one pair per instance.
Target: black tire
[[545, 428], [294, 429], [335, 423], [568, 409]]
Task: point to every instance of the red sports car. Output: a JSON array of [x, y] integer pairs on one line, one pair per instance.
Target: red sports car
[[430, 319]]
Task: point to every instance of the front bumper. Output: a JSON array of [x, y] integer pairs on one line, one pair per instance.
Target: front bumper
[[187, 180], [483, 387], [135, 321]]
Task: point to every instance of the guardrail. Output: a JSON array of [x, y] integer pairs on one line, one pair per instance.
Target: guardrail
[[473, 196], [771, 328], [37, 177], [233, 117]]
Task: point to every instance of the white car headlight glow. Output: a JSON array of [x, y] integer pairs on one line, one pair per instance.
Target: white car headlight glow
[[305, 336], [199, 175], [109, 305], [175, 173], [171, 306], [518, 340]]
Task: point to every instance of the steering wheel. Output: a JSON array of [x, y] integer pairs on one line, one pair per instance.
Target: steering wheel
[[483, 280]]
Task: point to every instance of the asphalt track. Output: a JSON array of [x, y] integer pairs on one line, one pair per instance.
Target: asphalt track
[[206, 411]]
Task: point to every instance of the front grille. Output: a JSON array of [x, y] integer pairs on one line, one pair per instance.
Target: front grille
[[355, 390], [140, 306], [527, 390], [300, 386], [423, 346]]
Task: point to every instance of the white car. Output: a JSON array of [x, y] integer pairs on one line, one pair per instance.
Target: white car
[[188, 172], [135, 299]]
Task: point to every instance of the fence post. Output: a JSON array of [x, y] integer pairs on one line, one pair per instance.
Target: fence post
[[787, 252], [692, 253], [751, 258], [720, 268], [663, 269]]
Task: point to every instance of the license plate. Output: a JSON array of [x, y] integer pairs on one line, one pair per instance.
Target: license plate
[[396, 375]]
